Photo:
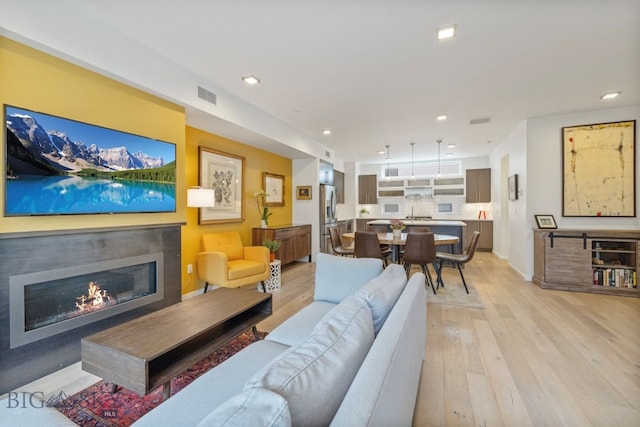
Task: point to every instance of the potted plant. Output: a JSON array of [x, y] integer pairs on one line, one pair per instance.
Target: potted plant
[[273, 246], [364, 212], [262, 210]]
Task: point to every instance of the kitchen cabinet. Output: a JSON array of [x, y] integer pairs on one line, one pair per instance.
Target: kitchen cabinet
[[485, 242], [478, 185], [361, 223], [295, 241], [326, 173], [367, 189], [338, 182]]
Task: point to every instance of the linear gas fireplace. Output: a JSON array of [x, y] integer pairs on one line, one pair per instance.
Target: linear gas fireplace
[[49, 302], [59, 286]]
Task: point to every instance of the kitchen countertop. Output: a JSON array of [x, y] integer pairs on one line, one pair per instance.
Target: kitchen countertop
[[418, 222]]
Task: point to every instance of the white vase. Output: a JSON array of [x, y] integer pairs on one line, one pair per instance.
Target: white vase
[[263, 223], [397, 234]]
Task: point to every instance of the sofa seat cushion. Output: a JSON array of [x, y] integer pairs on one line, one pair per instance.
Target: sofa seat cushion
[[338, 277], [242, 268], [314, 376], [382, 292], [192, 404], [297, 328], [253, 407]]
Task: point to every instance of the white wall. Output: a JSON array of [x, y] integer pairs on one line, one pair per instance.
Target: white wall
[[535, 154], [305, 172], [513, 245]]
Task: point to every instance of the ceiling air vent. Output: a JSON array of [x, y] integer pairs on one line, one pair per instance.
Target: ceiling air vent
[[207, 96], [327, 153], [479, 121]]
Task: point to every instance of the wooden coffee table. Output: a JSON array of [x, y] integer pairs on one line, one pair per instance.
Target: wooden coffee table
[[149, 351]]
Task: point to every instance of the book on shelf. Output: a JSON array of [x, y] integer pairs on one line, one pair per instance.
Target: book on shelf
[[615, 277]]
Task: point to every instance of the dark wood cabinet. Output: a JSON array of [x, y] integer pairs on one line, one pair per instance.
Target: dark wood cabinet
[[367, 189], [485, 242], [478, 185], [295, 241], [338, 182]]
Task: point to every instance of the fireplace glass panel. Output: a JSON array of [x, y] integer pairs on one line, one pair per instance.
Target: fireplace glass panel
[[53, 301]]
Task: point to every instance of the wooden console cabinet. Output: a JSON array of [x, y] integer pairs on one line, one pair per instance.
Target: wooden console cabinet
[[597, 261], [295, 241]]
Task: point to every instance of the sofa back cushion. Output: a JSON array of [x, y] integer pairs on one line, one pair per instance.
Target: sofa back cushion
[[338, 277], [382, 292], [314, 376], [253, 407]]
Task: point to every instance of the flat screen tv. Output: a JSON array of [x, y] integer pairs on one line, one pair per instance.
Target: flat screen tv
[[58, 166]]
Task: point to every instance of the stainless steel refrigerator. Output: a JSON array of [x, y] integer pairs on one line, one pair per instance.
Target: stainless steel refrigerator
[[327, 215]]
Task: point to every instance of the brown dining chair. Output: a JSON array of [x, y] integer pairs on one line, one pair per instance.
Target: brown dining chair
[[420, 249], [380, 229], [336, 243], [367, 245], [458, 259]]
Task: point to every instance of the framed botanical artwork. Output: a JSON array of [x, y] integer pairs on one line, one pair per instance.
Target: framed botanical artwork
[[303, 192], [599, 170], [223, 173], [274, 187], [513, 187], [546, 221]]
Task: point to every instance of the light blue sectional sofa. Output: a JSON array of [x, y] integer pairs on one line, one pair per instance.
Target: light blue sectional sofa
[[351, 358]]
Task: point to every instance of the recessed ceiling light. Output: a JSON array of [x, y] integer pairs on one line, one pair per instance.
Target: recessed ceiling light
[[441, 117], [610, 95], [326, 131], [449, 154], [451, 146], [251, 80], [381, 151], [446, 32]]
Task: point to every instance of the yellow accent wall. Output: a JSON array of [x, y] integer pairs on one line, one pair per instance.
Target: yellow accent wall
[[256, 162], [40, 82]]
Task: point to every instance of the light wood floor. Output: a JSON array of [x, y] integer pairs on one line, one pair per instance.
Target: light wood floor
[[531, 357]]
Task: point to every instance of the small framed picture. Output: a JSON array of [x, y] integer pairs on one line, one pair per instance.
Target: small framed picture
[[303, 192], [513, 187], [545, 221], [273, 185]]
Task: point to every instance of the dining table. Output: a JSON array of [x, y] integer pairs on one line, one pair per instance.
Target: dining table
[[396, 243]]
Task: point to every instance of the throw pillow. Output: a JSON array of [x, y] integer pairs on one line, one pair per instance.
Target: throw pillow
[[338, 277], [314, 376], [382, 292], [253, 407]]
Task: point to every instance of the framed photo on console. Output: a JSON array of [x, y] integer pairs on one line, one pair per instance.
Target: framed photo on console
[[546, 221]]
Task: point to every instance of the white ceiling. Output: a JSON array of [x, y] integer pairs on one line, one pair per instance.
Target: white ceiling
[[371, 71]]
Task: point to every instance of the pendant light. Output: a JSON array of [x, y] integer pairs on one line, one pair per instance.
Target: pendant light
[[413, 177], [388, 158], [439, 141]]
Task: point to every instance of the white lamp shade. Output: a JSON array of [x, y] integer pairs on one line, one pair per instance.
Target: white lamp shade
[[200, 198]]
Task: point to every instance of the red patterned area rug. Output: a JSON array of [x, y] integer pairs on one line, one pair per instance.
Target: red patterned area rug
[[95, 406]]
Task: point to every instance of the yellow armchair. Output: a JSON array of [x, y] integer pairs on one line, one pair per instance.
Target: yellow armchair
[[225, 262]]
